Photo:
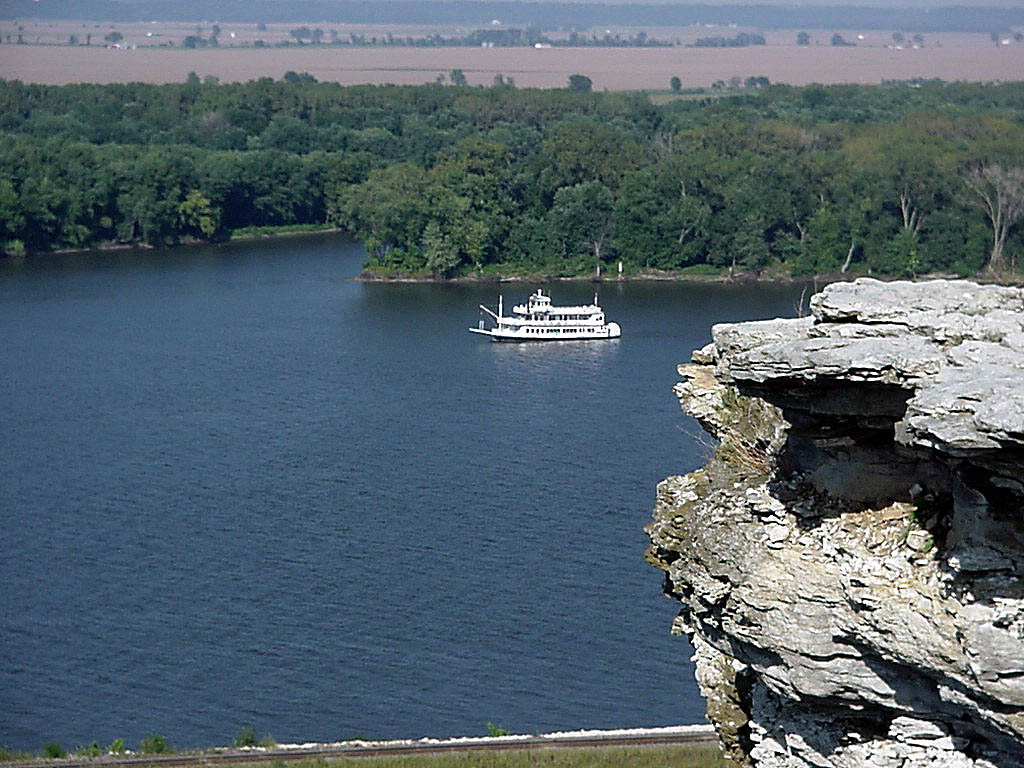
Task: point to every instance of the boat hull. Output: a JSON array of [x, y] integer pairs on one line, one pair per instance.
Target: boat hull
[[609, 331]]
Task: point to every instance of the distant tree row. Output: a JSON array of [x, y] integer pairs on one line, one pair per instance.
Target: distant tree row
[[492, 37], [675, 83], [903, 179], [951, 17], [741, 40]]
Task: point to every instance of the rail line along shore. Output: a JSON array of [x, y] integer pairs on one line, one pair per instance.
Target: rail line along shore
[[631, 737]]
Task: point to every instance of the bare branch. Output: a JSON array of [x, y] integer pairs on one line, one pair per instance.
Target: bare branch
[[999, 192]]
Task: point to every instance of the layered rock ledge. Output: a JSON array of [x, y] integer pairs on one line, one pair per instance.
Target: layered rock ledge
[[850, 561]]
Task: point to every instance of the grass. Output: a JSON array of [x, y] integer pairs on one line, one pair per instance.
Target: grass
[[53, 749], [155, 744], [696, 756], [746, 436], [691, 756], [248, 233], [247, 738]]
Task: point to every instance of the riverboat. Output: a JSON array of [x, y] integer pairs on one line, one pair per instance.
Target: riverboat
[[540, 320]]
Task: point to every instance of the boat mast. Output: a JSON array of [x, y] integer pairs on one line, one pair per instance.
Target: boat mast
[[500, 312]]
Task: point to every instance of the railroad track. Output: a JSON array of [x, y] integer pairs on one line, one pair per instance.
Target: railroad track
[[646, 737]]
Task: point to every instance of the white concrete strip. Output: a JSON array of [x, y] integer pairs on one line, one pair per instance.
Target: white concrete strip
[[618, 733]]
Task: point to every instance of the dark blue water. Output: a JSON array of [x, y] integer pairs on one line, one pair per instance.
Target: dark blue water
[[239, 488]]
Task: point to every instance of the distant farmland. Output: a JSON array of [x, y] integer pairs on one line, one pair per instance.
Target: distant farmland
[[947, 56]]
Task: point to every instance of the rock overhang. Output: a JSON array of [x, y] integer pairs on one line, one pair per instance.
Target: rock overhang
[[889, 517]]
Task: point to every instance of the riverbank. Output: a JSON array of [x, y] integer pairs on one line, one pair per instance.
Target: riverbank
[[686, 756], [701, 273], [693, 746], [681, 276], [236, 236]]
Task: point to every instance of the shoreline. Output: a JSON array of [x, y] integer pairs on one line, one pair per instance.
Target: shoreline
[[738, 278], [644, 276], [692, 735], [256, 233]]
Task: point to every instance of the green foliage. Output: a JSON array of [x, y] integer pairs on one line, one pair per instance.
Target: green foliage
[[197, 214], [92, 750], [452, 181], [53, 749], [116, 747], [580, 83], [742, 40], [495, 730], [154, 744], [8, 754], [246, 737]]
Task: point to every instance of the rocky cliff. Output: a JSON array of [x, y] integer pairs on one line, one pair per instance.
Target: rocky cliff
[[850, 561]]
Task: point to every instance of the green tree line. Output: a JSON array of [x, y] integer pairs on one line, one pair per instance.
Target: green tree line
[[899, 179]]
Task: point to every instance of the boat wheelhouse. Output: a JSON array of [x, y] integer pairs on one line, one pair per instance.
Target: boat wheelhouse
[[540, 320]]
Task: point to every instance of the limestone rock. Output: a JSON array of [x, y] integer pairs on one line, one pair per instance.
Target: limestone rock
[[850, 563]]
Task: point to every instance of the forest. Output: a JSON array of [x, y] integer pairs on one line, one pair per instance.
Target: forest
[[455, 181]]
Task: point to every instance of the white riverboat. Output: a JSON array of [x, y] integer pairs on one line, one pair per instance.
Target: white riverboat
[[539, 320]]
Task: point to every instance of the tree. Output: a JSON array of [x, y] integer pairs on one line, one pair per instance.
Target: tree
[[457, 77], [389, 212], [803, 39], [198, 215], [114, 37], [581, 222], [582, 149], [453, 241], [12, 218], [839, 40], [999, 192], [676, 84], [580, 83], [661, 221], [903, 168]]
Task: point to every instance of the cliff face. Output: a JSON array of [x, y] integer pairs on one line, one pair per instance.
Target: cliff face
[[850, 561]]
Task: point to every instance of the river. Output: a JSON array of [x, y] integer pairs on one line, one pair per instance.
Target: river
[[239, 487]]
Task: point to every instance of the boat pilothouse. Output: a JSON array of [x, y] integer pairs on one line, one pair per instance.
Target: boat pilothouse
[[540, 320]]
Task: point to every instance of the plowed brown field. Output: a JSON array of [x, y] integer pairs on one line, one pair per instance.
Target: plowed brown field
[[950, 57]]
